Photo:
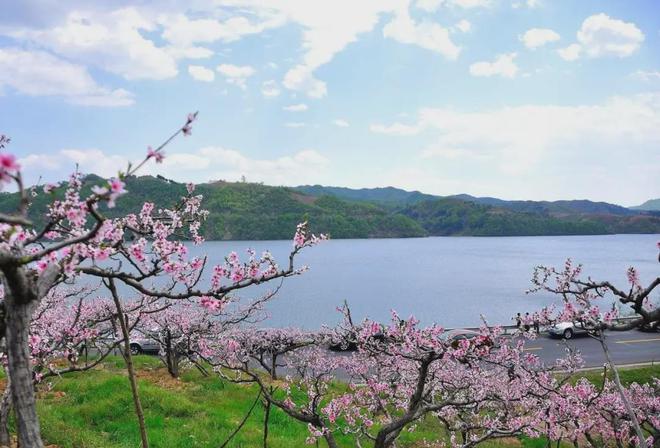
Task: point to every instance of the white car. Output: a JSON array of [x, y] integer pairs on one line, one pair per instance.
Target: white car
[[566, 330], [140, 344]]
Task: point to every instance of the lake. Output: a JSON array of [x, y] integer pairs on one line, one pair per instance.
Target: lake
[[448, 280]]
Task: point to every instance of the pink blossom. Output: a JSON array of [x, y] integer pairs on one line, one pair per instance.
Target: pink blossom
[[116, 186], [210, 303], [157, 155], [633, 277], [99, 191], [116, 189], [101, 253], [8, 162], [8, 167]]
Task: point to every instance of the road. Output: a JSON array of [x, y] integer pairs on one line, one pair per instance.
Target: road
[[630, 347]]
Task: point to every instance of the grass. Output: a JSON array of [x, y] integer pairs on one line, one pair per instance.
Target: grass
[[628, 375], [95, 409]]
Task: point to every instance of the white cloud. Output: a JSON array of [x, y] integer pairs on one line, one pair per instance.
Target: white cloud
[[270, 89], [180, 30], [531, 4], [201, 73], [64, 161], [602, 36], [121, 41], [294, 124], [296, 107], [451, 153], [426, 34], [434, 5], [503, 66], [301, 78], [396, 129], [537, 37], [516, 138], [341, 123], [193, 52], [104, 98], [463, 26], [236, 74], [202, 165], [327, 28], [214, 163], [570, 53], [643, 75], [37, 73], [111, 41]]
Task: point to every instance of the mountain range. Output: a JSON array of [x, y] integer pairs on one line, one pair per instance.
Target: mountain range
[[252, 211], [650, 205]]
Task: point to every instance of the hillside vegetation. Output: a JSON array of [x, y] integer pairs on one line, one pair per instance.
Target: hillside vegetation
[[650, 205], [250, 211]]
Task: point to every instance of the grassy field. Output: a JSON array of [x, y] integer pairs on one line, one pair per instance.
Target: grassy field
[[95, 409]]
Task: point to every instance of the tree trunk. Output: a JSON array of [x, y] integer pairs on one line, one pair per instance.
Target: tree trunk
[[20, 372], [266, 421], [641, 443], [330, 440], [173, 365], [171, 357], [5, 410], [123, 323], [273, 366]]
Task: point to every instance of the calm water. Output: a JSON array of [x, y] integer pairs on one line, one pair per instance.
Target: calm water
[[446, 280]]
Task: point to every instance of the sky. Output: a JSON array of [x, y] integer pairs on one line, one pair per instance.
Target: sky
[[517, 99]]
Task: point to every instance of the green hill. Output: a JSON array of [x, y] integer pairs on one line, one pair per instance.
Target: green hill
[[384, 196], [555, 208], [650, 205], [250, 211], [449, 216]]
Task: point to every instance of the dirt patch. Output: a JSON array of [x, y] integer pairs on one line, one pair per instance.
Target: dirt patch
[[14, 444], [303, 198], [161, 378]]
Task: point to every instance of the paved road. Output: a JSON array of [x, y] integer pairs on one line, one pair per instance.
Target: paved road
[[628, 347]]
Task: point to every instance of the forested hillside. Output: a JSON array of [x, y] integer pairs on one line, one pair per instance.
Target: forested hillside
[[240, 211], [650, 205], [448, 216]]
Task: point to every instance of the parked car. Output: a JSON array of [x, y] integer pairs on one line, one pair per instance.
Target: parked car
[[459, 333], [653, 327], [566, 330], [140, 344]]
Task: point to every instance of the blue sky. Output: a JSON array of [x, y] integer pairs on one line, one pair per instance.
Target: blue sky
[[519, 99]]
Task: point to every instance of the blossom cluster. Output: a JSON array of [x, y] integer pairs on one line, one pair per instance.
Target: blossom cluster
[[593, 304], [9, 168]]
